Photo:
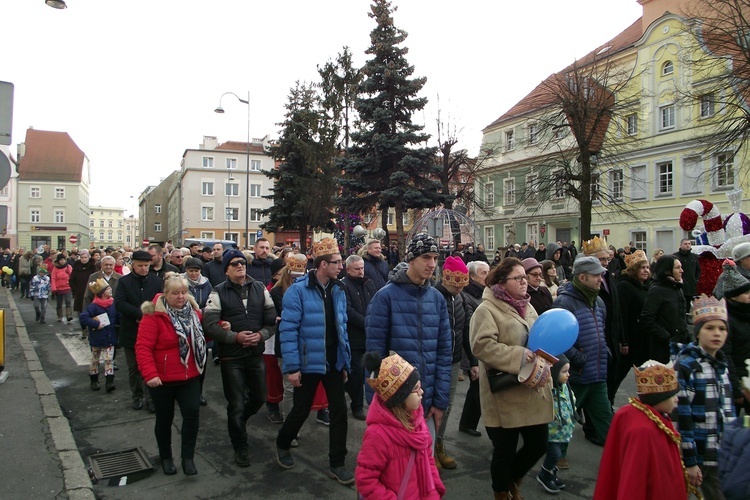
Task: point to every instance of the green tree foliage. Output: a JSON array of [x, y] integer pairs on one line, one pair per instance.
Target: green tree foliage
[[305, 180], [385, 166]]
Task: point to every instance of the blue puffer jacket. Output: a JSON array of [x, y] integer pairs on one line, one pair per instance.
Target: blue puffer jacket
[[302, 330], [734, 452], [589, 355], [107, 336], [412, 320]]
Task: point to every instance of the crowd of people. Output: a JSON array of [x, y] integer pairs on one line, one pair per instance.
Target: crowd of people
[[396, 334]]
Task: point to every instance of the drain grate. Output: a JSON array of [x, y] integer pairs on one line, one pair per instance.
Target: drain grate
[[120, 463]]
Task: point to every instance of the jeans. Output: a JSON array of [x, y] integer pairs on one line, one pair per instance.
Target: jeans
[[593, 399], [138, 388], [472, 411], [455, 371], [333, 381], [68, 299], [554, 454], [355, 385], [244, 385], [510, 464], [40, 307], [188, 397]]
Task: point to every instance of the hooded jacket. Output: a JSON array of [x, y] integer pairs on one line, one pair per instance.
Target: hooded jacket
[[106, 336], [260, 270], [60, 278], [663, 317], [376, 269], [384, 457], [551, 249], [412, 320]]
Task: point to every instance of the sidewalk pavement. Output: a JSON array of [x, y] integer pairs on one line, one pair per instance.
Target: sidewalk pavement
[[40, 456]]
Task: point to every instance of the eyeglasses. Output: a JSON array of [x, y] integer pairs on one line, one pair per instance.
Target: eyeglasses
[[177, 257], [518, 279], [334, 262], [605, 259], [536, 275], [237, 263], [417, 388]]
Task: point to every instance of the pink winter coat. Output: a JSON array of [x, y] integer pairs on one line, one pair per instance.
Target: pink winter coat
[[60, 279], [384, 457]]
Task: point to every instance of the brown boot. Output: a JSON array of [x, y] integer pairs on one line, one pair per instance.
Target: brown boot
[[442, 457], [515, 489], [502, 495]]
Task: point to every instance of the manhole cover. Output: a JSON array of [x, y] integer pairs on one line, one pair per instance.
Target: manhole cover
[[127, 462]]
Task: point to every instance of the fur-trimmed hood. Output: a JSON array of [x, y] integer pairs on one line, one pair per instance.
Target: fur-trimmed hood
[[159, 304]]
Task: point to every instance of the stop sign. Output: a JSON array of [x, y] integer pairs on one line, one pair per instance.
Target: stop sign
[[73, 239]]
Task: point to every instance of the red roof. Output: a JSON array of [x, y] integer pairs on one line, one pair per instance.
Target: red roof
[[51, 156], [240, 147], [541, 96]]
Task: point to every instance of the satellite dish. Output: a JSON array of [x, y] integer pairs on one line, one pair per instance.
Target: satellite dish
[[359, 231]]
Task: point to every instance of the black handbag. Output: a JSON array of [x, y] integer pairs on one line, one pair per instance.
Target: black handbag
[[499, 381]]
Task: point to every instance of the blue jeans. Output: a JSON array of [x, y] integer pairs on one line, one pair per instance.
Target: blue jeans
[[187, 395], [245, 391], [554, 454]]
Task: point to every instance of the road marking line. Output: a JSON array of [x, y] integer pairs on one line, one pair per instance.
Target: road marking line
[[79, 349]]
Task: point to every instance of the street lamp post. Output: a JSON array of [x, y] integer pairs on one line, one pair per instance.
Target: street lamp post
[[220, 110]]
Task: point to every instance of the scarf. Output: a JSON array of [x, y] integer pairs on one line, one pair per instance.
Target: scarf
[[195, 284], [519, 305], [589, 295], [189, 333], [102, 302]]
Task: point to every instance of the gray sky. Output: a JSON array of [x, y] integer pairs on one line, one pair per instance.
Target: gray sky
[[135, 83]]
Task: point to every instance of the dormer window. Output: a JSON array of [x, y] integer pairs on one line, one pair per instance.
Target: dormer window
[[667, 68]]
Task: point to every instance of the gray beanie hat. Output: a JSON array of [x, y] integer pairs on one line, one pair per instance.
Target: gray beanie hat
[[741, 251], [730, 283]]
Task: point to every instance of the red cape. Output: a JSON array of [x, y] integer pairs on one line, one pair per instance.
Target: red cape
[[640, 460]]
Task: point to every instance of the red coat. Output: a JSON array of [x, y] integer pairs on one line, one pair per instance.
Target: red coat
[[157, 347], [60, 279], [384, 457], [640, 460]]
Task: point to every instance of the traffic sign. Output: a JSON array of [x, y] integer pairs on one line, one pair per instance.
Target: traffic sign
[[145, 242], [73, 239]]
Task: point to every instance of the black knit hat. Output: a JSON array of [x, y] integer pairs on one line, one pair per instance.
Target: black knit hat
[[277, 265], [228, 255], [421, 244], [562, 360]]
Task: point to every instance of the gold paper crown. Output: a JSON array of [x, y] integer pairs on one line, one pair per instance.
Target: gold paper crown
[[655, 378], [394, 370], [636, 257], [98, 286], [707, 308], [326, 246], [296, 265], [590, 247], [455, 278]]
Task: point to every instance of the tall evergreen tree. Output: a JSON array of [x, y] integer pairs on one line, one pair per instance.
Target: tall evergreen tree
[[385, 166], [305, 180]]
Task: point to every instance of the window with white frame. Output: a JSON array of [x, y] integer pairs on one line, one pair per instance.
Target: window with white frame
[[489, 194], [101, 222], [207, 234], [666, 117], [707, 105], [109, 224], [532, 188], [595, 194], [509, 192], [157, 208], [639, 185], [489, 237], [109, 235], [35, 215], [91, 236], [532, 233], [59, 215], [616, 183], [665, 178], [91, 222], [232, 189], [533, 133], [119, 223], [127, 239], [207, 188], [405, 219], [632, 124], [208, 162], [232, 236], [255, 165], [207, 212], [667, 68], [101, 235], [35, 192], [724, 170], [558, 184], [157, 227], [119, 235], [391, 217], [692, 175], [510, 140], [639, 239], [254, 190], [256, 214], [231, 163], [232, 214], [59, 193]]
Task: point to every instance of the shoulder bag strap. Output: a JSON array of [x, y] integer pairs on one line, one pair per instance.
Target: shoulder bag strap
[[407, 474]]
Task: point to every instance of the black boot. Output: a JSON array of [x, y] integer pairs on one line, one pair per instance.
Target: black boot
[[110, 385], [94, 382]]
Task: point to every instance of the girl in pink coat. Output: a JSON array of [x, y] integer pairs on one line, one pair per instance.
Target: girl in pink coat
[[396, 461]]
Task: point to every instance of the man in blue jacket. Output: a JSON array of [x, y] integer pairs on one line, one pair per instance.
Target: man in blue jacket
[[409, 316], [315, 349], [589, 355]]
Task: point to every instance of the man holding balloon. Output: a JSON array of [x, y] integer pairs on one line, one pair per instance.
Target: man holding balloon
[[589, 355]]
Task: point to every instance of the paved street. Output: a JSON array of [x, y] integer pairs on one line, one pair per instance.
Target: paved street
[[103, 422]]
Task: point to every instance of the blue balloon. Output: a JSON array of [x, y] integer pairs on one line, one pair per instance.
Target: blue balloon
[[554, 332]]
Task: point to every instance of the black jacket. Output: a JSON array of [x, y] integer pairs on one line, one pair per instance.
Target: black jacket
[[459, 319], [691, 272], [132, 291], [260, 270], [632, 299], [541, 299], [737, 346], [613, 330], [214, 271], [166, 267], [359, 291], [663, 317], [376, 269]]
